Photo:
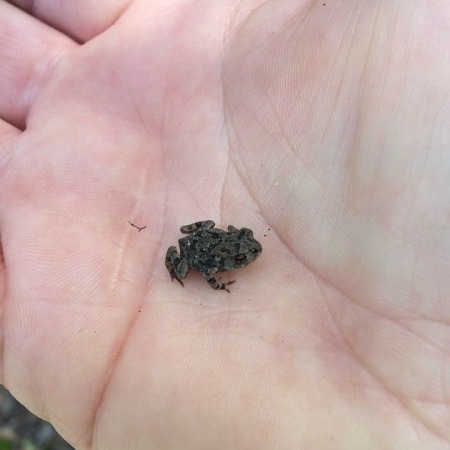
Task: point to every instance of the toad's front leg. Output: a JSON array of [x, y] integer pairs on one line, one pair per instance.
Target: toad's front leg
[[197, 226], [214, 283], [177, 267]]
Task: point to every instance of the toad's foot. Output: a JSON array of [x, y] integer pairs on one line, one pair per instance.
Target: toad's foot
[[216, 284]]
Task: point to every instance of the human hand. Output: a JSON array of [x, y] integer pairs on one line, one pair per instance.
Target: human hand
[[319, 125]]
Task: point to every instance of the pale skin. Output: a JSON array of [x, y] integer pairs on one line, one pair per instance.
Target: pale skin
[[327, 124]]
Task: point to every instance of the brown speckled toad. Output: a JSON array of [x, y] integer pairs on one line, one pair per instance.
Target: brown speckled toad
[[209, 250]]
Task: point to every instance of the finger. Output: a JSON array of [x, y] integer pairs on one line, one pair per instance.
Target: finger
[[8, 142], [29, 51], [8, 139], [81, 19]]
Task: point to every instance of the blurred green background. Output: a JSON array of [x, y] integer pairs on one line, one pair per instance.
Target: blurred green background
[[22, 430]]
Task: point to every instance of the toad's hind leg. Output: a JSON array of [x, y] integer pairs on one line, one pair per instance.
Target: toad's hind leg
[[216, 284], [177, 267]]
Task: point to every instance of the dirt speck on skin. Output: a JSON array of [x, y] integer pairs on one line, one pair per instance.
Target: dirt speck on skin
[[20, 429]]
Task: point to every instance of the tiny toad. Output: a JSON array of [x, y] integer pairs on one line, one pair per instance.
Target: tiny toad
[[209, 250]]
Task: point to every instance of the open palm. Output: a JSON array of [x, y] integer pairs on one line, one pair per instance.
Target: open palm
[[322, 126]]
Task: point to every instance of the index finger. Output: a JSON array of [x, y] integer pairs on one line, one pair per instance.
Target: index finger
[[29, 52], [81, 19]]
